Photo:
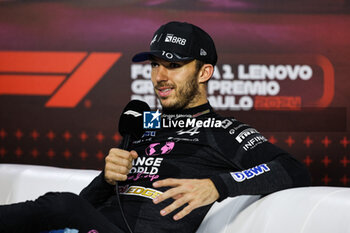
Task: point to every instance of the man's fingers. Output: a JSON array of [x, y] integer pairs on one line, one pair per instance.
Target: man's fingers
[[178, 196], [116, 170], [181, 187], [114, 165], [171, 193], [133, 154], [117, 161], [167, 182], [119, 153], [114, 177], [185, 211], [118, 164], [173, 206], [194, 192]]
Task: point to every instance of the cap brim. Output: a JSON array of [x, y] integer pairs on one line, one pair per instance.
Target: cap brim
[[144, 56]]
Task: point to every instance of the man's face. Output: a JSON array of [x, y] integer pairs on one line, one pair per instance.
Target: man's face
[[175, 83]]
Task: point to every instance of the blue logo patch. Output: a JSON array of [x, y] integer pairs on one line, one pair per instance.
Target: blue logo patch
[[151, 119], [250, 173]]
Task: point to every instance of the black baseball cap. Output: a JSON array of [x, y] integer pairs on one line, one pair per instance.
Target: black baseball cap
[[177, 41]]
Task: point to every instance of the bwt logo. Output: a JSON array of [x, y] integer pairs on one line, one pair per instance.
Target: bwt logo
[[250, 173], [151, 119], [65, 76]]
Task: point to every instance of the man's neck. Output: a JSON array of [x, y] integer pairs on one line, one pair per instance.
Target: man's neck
[[205, 107]]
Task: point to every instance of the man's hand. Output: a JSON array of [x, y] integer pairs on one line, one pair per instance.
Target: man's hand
[[195, 192], [118, 164]]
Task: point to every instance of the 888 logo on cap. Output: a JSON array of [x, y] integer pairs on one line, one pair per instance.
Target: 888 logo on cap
[[151, 119]]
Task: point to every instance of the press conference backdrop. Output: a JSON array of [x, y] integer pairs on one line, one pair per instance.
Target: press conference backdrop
[[66, 74]]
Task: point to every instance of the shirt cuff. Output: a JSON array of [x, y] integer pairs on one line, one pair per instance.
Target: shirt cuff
[[220, 187]]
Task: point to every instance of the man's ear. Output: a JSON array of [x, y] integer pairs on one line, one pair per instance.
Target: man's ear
[[205, 73]]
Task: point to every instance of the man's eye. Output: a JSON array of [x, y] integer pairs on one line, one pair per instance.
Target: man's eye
[[154, 64], [174, 65]]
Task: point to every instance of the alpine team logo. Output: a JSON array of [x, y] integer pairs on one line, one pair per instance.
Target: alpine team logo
[[151, 119], [154, 39]]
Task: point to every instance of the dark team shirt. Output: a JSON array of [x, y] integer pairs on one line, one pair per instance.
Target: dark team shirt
[[235, 156]]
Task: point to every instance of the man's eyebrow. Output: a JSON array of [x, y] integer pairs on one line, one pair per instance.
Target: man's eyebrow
[[153, 58]]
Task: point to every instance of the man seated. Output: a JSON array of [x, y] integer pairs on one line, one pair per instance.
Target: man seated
[[169, 178]]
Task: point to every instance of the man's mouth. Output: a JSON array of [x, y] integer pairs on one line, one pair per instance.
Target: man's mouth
[[164, 91]]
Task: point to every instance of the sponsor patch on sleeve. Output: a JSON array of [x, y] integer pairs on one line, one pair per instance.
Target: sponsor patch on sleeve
[[250, 173], [253, 142], [245, 133]]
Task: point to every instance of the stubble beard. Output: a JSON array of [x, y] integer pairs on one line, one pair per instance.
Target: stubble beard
[[184, 96]]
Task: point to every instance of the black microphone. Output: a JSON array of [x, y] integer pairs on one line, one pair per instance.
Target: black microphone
[[131, 128], [131, 122]]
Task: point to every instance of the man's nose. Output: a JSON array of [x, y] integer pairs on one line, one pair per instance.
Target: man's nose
[[162, 74]]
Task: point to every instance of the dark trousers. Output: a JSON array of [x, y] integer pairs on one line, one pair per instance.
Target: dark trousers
[[55, 211]]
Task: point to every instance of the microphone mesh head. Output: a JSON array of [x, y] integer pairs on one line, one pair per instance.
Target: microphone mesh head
[[131, 120]]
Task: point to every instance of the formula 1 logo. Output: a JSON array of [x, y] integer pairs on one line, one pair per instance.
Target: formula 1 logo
[[65, 76]]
